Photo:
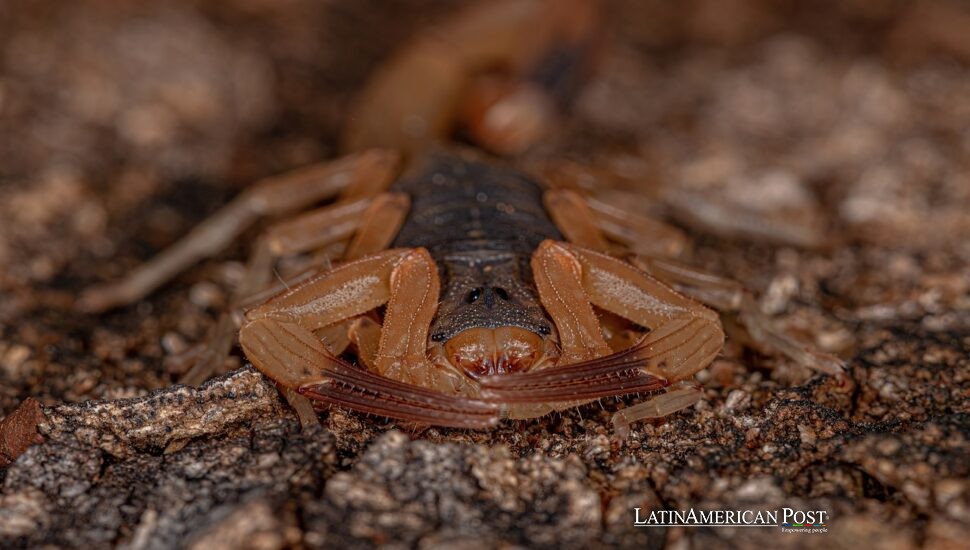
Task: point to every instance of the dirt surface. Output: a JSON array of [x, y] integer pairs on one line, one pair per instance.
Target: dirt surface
[[123, 126]]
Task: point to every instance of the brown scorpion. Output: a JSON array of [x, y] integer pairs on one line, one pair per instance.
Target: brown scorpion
[[463, 290]]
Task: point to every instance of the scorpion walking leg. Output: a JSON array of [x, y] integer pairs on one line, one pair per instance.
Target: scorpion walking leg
[[653, 242], [379, 225], [272, 196], [684, 337], [730, 297], [676, 398], [717, 292], [587, 221], [373, 222], [306, 232], [640, 234], [278, 339], [572, 215]]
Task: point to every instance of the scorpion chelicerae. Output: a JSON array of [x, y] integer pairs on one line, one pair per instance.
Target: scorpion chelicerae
[[464, 290]]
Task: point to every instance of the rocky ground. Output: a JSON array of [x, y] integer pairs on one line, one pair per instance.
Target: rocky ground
[[123, 126]]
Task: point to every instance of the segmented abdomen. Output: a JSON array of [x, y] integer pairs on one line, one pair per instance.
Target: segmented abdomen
[[461, 204]]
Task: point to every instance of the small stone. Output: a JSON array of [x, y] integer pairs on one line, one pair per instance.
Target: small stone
[[807, 435], [173, 343], [207, 295], [735, 400]]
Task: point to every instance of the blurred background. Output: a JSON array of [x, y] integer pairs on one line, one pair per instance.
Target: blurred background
[[122, 124]]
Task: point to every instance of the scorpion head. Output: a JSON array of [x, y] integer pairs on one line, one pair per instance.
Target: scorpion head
[[489, 319], [488, 351]]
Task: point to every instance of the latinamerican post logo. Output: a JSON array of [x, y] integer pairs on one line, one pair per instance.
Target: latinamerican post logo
[[788, 519]]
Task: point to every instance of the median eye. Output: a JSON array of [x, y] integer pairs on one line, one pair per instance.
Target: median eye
[[502, 293], [474, 295]]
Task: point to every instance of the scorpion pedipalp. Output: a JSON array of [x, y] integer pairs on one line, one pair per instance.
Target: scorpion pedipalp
[[624, 372], [296, 359]]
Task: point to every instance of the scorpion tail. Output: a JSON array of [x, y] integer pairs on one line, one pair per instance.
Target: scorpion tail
[[496, 71]]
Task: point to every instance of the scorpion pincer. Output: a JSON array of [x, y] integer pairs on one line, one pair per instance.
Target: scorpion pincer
[[464, 290]]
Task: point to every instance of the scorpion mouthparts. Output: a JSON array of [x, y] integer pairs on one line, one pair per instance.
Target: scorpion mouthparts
[[482, 352]]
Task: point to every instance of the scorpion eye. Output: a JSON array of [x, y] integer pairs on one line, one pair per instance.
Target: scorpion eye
[[474, 295], [502, 293]]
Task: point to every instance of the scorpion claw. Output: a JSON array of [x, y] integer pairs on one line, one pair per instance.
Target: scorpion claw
[[363, 391], [621, 373], [295, 358]]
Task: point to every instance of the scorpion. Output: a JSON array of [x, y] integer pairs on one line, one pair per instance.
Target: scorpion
[[456, 288]]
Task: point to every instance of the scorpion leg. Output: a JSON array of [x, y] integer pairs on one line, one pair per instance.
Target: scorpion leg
[[572, 215], [654, 242], [717, 292], [276, 195], [684, 336], [676, 398], [373, 221], [314, 229], [278, 339], [587, 221], [379, 225], [730, 297], [639, 233]]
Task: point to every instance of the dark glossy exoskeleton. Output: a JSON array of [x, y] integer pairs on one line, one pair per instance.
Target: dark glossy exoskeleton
[[480, 222]]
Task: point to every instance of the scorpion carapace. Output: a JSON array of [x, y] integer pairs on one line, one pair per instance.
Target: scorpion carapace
[[464, 291], [480, 222]]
